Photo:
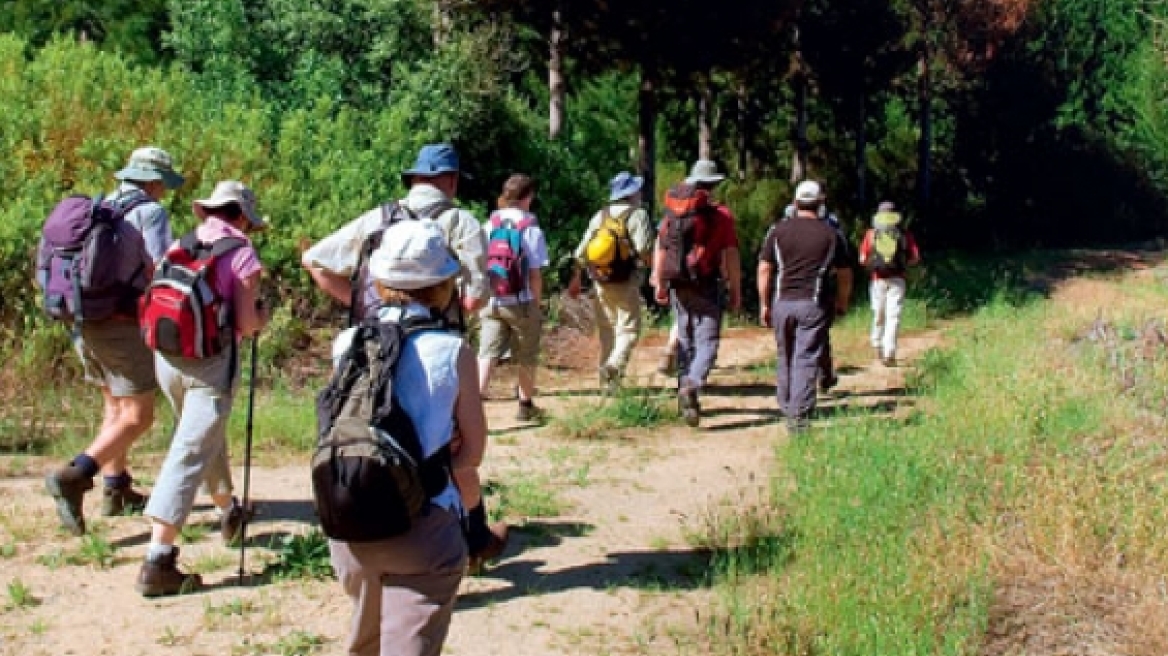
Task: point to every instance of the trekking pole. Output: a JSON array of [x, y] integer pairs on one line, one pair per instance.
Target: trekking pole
[[251, 385]]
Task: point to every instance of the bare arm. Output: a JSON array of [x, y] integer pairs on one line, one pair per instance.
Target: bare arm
[[732, 270], [662, 295], [766, 272], [535, 285], [844, 289], [249, 318], [468, 413], [335, 285]]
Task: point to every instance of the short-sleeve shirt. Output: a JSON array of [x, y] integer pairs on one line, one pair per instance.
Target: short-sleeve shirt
[[913, 251], [237, 265], [637, 223], [535, 249], [151, 220], [803, 252]]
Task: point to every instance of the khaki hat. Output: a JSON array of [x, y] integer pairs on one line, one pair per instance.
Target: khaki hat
[[226, 193], [149, 164], [412, 255], [704, 171]]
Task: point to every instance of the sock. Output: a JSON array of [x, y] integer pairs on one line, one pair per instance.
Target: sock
[[477, 533], [87, 465], [122, 481], [158, 551]]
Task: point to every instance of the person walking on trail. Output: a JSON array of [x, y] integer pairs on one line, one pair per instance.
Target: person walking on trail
[[796, 258], [616, 246], [201, 390], [114, 357], [337, 262], [887, 251], [516, 254], [696, 254], [403, 588]]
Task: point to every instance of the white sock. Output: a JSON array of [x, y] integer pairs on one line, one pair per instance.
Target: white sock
[[158, 551]]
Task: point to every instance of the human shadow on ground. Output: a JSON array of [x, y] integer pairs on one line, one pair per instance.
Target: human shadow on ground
[[648, 570], [293, 510], [740, 389], [752, 418]]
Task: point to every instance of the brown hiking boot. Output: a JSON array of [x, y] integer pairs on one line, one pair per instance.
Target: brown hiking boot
[[68, 486], [162, 576], [231, 524], [119, 501], [691, 410], [496, 544], [529, 412]]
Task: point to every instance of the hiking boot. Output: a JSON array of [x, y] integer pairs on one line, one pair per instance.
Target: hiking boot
[[827, 382], [889, 361], [120, 501], [68, 486], [528, 412], [231, 523], [161, 576], [691, 411], [609, 379], [878, 353], [494, 547], [667, 365]]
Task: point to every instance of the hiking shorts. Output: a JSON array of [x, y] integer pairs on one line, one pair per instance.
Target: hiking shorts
[[113, 355], [514, 327]]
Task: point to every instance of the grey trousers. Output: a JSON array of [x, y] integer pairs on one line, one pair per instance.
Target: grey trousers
[[403, 589], [801, 337], [201, 395], [698, 310]]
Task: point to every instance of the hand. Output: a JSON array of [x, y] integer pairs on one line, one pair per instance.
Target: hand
[[764, 316], [662, 295], [574, 287]]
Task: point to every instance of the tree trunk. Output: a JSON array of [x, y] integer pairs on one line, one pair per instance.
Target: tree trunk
[[743, 129], [647, 138], [556, 75], [925, 145], [862, 148], [799, 167], [705, 111]]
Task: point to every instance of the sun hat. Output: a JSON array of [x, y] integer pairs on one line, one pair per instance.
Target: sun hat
[[148, 164], [434, 160], [412, 255], [704, 171], [623, 185], [886, 206], [808, 191], [226, 193], [886, 219]]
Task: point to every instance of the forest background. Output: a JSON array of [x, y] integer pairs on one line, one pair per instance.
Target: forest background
[[996, 124]]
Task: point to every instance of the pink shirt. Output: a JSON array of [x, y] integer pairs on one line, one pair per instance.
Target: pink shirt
[[238, 265]]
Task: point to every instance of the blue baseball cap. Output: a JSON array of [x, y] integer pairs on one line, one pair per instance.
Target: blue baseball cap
[[434, 160], [625, 184]]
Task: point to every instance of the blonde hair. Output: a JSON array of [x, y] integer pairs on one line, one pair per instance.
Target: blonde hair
[[516, 188], [436, 297]]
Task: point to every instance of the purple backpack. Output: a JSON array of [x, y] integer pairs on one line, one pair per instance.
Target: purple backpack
[[85, 261]]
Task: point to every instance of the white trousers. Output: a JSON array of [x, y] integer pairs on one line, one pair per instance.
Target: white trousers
[[887, 296]]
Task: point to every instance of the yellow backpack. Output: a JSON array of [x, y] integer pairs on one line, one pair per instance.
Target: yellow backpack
[[609, 254]]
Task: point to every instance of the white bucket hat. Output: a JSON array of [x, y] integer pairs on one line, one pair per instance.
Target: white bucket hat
[[148, 164], [704, 171], [412, 255], [226, 193]]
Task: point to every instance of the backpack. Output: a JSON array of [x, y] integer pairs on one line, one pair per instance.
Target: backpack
[[888, 244], [506, 260], [364, 302], [369, 479], [81, 259], [685, 229], [181, 313], [609, 254]]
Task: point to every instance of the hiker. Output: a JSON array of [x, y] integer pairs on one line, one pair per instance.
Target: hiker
[[696, 254], [403, 588], [114, 357], [617, 243], [336, 262], [338, 265], [201, 389], [516, 253], [887, 251], [796, 258]]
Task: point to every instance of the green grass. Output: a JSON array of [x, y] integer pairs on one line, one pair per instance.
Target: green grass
[[523, 495], [303, 556], [883, 535], [19, 595], [628, 409]]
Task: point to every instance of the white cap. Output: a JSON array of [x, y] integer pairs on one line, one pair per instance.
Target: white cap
[[412, 255], [808, 191]]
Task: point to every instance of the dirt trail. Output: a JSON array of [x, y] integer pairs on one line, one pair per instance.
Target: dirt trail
[[611, 572]]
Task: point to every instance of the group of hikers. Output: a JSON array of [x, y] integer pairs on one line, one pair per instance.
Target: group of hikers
[[415, 273]]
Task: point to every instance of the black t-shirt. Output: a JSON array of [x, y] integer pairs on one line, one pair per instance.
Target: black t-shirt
[[804, 251]]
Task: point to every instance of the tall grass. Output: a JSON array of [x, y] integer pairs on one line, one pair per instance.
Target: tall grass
[[897, 536]]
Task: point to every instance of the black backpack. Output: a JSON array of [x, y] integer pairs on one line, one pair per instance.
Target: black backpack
[[369, 479]]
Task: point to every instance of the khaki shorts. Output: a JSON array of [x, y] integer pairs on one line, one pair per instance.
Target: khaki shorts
[[511, 327], [113, 355]]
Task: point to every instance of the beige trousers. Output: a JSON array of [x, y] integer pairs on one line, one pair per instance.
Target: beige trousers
[[618, 320]]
